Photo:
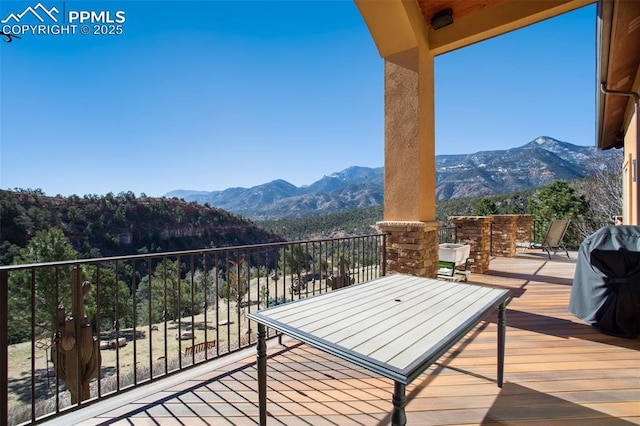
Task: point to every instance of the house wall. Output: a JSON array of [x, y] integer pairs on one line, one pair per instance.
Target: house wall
[[630, 168]]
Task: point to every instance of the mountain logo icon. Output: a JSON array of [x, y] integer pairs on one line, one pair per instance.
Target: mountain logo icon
[[38, 11]]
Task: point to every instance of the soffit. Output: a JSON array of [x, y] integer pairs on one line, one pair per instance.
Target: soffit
[[619, 56], [478, 20], [460, 8], [400, 25]]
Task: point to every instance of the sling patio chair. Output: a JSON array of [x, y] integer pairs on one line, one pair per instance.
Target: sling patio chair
[[554, 236]]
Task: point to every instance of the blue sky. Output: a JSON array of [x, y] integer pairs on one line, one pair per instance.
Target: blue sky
[[207, 95]]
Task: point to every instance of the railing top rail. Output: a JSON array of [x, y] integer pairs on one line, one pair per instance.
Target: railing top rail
[[147, 256]]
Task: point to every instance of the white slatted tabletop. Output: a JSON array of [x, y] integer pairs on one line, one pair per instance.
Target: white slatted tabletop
[[395, 325]]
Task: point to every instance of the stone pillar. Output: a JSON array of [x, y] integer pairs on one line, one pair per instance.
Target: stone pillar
[[503, 235], [412, 247], [475, 231], [524, 229]]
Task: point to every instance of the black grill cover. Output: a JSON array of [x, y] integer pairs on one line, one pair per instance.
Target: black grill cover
[[606, 284]]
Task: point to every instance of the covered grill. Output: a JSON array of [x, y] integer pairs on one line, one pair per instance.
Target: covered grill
[[606, 284]]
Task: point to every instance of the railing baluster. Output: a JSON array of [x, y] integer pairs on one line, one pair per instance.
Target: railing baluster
[[150, 318], [178, 308], [384, 255], [33, 341], [298, 266], [239, 285], [205, 302], [4, 340], [134, 291], [116, 326], [227, 268], [98, 319], [57, 341], [165, 314], [217, 283], [192, 309], [326, 260]]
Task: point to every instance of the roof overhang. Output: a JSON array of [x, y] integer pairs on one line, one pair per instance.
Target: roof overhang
[[617, 62], [489, 19], [398, 26]]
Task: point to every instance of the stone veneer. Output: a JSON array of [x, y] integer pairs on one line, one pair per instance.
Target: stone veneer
[[524, 228], [503, 234], [412, 247], [475, 231]]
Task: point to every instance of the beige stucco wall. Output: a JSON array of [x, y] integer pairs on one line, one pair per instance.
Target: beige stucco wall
[[409, 181], [400, 33], [630, 216], [631, 213]]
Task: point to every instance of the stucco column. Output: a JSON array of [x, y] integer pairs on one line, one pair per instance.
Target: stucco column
[[475, 231], [409, 180], [409, 147]]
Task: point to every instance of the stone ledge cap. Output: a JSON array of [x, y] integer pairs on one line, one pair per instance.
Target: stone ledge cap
[[471, 218], [416, 223]]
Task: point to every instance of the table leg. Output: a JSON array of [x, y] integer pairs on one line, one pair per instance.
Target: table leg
[[261, 348], [502, 331], [398, 417]]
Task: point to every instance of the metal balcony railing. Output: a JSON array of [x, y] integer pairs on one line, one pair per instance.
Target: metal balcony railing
[[447, 234], [76, 332], [576, 233]]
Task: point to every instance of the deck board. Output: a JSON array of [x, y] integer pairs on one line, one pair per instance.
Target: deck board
[[558, 371]]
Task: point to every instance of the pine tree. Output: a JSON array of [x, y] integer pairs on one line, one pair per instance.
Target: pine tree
[[42, 291]]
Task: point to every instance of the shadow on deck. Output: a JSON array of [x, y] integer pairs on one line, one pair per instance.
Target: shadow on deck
[[558, 371]]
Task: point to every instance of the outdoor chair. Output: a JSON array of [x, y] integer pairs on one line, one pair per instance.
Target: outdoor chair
[[554, 236]]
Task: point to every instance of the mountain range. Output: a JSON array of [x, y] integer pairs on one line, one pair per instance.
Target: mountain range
[[537, 163]]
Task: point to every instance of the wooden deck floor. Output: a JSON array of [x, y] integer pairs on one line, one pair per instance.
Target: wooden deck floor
[[558, 372]]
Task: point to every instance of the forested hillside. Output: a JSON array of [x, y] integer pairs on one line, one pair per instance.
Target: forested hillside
[[354, 222], [589, 203], [362, 221], [123, 224], [120, 224]]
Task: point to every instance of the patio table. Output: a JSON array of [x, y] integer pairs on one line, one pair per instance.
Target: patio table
[[396, 326]]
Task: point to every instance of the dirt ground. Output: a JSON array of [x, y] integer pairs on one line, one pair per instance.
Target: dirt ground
[[222, 324]]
